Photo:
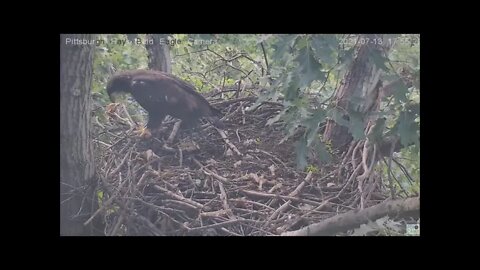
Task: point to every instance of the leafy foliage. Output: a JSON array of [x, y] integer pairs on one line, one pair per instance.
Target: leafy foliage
[[209, 61], [356, 125], [308, 66], [301, 151], [303, 72], [378, 58]]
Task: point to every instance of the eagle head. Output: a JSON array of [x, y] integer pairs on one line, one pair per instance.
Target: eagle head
[[118, 83]]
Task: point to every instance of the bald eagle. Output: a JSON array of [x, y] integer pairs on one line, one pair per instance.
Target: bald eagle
[[162, 94]]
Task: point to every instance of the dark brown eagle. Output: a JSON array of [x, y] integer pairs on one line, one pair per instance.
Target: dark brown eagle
[[162, 94]]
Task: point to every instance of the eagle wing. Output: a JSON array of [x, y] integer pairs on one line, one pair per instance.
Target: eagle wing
[[166, 90]]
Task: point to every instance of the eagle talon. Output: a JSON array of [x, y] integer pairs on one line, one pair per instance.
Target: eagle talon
[[143, 133], [111, 108]]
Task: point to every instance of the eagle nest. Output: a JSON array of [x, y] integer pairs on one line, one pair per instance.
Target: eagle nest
[[235, 181]]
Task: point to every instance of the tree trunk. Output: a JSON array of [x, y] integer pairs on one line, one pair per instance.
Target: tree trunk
[[76, 153], [159, 53], [362, 80]]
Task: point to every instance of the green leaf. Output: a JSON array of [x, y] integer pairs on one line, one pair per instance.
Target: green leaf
[[317, 117], [356, 125], [331, 40], [324, 46], [291, 92], [400, 92], [291, 128], [377, 131], [347, 56], [312, 134], [100, 197], [378, 59], [322, 152], [282, 46], [337, 116], [301, 153], [269, 95], [407, 128], [312, 124], [276, 117], [309, 67]]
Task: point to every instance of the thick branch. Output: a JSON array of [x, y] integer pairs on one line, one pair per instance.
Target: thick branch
[[355, 218]]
